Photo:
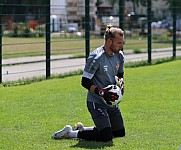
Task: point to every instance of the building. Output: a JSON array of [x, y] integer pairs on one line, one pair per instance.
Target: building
[[160, 9], [58, 15], [75, 10]]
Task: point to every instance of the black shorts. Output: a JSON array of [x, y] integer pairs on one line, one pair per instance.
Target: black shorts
[[104, 117]]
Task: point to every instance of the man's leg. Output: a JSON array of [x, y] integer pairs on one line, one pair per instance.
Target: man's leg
[[101, 120], [117, 122]]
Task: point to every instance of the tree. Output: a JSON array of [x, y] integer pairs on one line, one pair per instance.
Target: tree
[[99, 2], [176, 4], [135, 3]]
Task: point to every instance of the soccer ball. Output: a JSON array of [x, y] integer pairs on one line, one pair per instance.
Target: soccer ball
[[115, 89]]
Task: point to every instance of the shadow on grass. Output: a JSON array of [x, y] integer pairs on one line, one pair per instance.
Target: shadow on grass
[[92, 144]]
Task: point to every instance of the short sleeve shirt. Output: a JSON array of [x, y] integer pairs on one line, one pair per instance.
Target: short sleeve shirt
[[101, 69]]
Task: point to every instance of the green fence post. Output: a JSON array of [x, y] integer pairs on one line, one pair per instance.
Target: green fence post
[[149, 20], [174, 28], [1, 34], [87, 28], [48, 39], [121, 13]]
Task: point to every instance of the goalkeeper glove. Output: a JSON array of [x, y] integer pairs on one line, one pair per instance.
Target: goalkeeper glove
[[120, 83], [104, 93]]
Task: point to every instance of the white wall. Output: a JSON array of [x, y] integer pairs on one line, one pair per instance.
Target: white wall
[[57, 12]]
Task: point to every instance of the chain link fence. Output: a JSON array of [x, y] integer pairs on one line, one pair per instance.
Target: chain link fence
[[42, 38]]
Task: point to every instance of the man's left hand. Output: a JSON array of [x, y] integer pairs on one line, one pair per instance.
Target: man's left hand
[[120, 83]]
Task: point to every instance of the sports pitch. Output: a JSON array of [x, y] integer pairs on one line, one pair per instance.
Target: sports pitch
[[151, 109]]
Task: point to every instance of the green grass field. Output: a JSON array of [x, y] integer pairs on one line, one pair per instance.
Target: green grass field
[[22, 47], [151, 107]]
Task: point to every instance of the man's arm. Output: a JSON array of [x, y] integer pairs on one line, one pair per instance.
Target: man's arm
[[103, 92], [87, 83]]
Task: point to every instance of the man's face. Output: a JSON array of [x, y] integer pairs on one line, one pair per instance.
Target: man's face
[[117, 43]]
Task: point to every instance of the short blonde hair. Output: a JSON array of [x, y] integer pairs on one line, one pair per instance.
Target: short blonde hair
[[111, 31]]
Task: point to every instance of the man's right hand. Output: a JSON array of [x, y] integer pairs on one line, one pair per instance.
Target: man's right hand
[[104, 93]]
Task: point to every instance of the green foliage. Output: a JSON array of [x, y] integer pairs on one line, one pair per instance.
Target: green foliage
[[100, 2], [151, 106], [26, 32], [176, 4], [23, 30], [15, 31], [137, 51], [40, 30]]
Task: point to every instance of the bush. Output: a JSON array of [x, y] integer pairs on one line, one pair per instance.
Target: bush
[[137, 51], [26, 30], [40, 30], [15, 31]]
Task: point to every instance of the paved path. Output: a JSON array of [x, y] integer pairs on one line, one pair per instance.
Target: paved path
[[60, 64]]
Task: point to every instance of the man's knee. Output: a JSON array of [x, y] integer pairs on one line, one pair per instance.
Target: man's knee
[[105, 135], [119, 133]]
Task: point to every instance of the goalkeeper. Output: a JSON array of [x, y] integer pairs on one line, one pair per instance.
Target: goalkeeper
[[102, 66]]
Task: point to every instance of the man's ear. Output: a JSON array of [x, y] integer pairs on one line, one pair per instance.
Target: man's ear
[[110, 41]]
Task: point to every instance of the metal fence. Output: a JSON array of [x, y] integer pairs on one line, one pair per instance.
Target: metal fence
[[41, 38]]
